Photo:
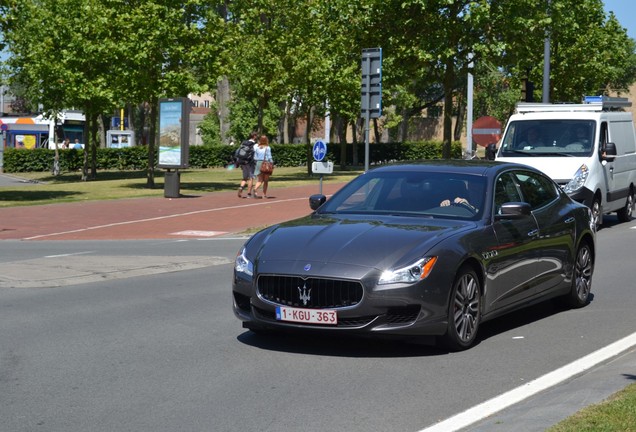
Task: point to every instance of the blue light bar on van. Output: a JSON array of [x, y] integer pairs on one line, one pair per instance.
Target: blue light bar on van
[[607, 103], [593, 99]]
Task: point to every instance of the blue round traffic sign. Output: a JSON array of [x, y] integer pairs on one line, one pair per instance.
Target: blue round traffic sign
[[320, 151]]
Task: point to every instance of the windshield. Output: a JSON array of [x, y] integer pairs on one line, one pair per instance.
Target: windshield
[[549, 138], [411, 193]]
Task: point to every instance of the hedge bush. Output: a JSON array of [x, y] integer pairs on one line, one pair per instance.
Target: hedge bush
[[136, 158]]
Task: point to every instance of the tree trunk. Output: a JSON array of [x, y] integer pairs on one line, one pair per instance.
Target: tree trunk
[[376, 131], [310, 119], [449, 79], [461, 112], [93, 145], [283, 127], [222, 101], [150, 172], [403, 130], [354, 129], [87, 118]]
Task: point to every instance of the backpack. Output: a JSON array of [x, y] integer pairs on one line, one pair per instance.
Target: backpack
[[245, 153]]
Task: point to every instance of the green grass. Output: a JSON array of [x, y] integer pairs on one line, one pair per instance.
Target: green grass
[[617, 413], [109, 185]]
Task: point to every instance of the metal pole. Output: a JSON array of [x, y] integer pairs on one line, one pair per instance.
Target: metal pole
[[367, 120], [546, 64], [469, 109], [327, 123]]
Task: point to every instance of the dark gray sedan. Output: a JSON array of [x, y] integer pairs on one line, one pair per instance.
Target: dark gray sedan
[[426, 249]]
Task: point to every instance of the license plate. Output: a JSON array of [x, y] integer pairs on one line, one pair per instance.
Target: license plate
[[308, 316]]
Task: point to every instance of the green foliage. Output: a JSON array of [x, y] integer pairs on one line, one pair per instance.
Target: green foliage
[[210, 128], [209, 156], [495, 92], [302, 54], [244, 118]]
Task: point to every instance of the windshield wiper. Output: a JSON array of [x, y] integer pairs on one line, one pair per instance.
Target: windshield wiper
[[539, 154], [554, 154]]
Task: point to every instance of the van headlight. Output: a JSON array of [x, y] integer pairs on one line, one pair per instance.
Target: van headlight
[[578, 180]]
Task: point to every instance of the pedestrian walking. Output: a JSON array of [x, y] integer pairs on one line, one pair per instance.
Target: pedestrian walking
[[264, 165], [244, 158]]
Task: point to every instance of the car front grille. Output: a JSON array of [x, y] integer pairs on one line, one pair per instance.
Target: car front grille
[[311, 293]]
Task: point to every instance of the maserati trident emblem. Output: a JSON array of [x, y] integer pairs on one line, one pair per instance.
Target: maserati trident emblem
[[304, 294]]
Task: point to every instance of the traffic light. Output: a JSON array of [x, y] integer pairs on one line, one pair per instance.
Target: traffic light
[[527, 90]]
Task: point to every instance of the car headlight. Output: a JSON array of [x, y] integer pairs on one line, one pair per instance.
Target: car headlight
[[412, 273], [243, 265], [578, 180]]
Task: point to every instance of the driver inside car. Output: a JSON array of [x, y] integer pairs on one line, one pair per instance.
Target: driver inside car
[[458, 189], [457, 200]]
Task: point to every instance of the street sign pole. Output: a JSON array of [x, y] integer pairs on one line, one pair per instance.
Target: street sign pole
[[371, 100], [319, 152]]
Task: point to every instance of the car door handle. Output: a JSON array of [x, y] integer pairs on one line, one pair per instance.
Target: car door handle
[[570, 220], [533, 233]]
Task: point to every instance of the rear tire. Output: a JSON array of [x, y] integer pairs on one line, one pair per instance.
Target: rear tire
[[625, 214], [464, 311], [579, 295]]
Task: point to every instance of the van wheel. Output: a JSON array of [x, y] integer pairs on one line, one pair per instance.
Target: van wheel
[[625, 214], [597, 215]]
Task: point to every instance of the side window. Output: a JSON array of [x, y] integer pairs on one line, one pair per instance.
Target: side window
[[603, 139], [536, 189], [505, 191]]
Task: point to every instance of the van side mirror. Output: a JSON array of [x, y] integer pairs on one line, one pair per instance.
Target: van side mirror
[[610, 151]]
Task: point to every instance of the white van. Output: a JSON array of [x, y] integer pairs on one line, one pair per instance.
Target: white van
[[589, 149]]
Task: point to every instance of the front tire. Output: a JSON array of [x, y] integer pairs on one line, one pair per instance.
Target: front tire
[[464, 311], [579, 295], [625, 214], [597, 212]]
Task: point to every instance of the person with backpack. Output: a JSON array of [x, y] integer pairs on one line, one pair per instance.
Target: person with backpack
[[244, 158]]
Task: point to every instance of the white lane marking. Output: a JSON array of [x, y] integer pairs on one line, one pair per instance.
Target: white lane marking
[[69, 254], [163, 217], [196, 233], [498, 403]]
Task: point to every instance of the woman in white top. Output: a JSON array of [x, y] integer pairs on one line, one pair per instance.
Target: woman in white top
[[262, 151]]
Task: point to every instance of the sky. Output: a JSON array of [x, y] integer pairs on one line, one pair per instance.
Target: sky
[[625, 11]]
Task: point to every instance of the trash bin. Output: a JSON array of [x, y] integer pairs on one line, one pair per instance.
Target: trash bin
[[171, 184]]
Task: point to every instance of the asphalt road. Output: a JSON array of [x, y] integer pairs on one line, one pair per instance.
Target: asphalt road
[[155, 347]]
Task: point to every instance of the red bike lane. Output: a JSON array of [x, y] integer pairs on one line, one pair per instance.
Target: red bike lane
[[205, 215]]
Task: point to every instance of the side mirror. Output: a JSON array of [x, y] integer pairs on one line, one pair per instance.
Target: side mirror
[[610, 151], [491, 151], [514, 210], [316, 201]]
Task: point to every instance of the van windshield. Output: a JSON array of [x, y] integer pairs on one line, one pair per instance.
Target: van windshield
[[545, 138]]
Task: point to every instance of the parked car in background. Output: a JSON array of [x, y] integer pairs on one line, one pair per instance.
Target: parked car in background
[[425, 249]]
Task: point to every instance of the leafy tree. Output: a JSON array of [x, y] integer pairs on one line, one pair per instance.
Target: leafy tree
[[209, 128], [60, 55], [167, 42]]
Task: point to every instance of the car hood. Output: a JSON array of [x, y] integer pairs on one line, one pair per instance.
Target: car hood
[[353, 240], [556, 167]]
